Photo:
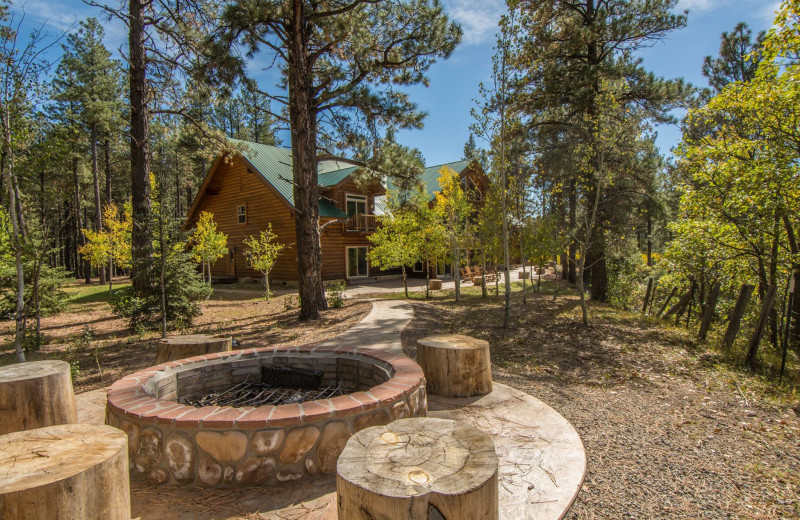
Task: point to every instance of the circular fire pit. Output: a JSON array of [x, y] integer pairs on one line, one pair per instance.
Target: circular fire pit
[[232, 443]]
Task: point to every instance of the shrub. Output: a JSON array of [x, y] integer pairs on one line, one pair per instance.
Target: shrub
[[183, 288], [336, 295]]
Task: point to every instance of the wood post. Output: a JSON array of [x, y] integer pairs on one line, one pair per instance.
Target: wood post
[[455, 365], [647, 295], [708, 314], [679, 307], [70, 471], [418, 469], [788, 332], [666, 302], [182, 347], [653, 298], [36, 394], [736, 315], [761, 325]]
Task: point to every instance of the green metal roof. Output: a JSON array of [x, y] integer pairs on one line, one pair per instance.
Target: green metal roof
[[430, 177], [274, 164]]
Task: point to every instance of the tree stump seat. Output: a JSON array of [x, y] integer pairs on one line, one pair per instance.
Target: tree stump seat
[[434, 284], [524, 275], [69, 471], [36, 394], [191, 345], [455, 365], [418, 469]]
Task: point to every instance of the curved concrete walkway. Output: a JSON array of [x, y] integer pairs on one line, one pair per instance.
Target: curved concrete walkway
[[542, 460]]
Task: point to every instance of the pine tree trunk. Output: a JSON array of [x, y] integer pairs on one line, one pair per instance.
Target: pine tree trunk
[[302, 116], [98, 205], [80, 238], [571, 258], [141, 247], [107, 152], [598, 272]]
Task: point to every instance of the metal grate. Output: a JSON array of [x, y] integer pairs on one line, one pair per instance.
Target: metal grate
[[254, 393]]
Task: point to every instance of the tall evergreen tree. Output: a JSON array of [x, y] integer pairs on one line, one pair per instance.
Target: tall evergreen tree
[[340, 61], [738, 59], [567, 49], [88, 80]]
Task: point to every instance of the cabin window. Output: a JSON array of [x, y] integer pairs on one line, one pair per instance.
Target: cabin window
[[418, 267], [356, 262], [356, 205], [470, 189], [241, 214]]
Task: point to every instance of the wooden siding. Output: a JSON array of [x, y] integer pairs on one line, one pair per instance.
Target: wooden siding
[[232, 184], [336, 239]]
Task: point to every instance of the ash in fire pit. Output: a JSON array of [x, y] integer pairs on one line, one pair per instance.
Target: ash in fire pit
[[278, 385]]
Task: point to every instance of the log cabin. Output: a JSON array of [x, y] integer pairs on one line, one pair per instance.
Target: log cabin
[[252, 187]]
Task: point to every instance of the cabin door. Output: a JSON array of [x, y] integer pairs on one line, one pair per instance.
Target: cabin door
[[232, 261]]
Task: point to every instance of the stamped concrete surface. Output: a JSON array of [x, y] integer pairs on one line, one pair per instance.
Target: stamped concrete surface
[[541, 456], [542, 462]]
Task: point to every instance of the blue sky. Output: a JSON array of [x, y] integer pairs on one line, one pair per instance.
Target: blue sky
[[454, 82]]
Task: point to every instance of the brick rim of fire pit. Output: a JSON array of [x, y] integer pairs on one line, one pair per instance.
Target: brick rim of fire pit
[[133, 406]]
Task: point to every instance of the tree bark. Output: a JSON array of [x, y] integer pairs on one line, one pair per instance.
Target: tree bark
[[35, 395], [758, 332], [736, 316], [107, 153], [98, 205], [573, 246], [302, 117], [141, 246]]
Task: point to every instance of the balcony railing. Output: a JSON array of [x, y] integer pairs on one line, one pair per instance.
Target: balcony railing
[[361, 222]]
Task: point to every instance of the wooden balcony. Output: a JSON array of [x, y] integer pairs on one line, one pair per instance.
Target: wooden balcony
[[361, 222]]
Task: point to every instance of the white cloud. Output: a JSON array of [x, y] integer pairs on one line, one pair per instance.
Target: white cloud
[[478, 18], [62, 17]]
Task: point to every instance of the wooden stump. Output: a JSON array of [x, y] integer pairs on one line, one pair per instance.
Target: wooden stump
[[418, 469], [70, 471], [434, 284], [526, 275], [455, 365], [182, 347], [35, 395]]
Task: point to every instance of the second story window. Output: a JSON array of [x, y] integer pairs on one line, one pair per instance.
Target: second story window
[[356, 205], [241, 213]]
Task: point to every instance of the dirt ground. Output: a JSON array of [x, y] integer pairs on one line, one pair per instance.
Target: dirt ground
[[670, 431], [102, 349]]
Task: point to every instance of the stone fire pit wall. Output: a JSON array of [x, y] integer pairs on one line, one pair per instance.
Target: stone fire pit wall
[[170, 442]]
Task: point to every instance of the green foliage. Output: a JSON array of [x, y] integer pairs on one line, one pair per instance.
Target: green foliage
[[336, 295], [183, 289], [208, 244], [171, 286], [262, 252], [396, 241], [113, 242]]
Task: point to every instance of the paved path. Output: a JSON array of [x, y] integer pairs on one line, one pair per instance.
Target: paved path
[[380, 328], [541, 457]]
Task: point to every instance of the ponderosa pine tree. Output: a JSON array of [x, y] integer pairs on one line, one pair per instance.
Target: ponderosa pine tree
[[738, 59], [340, 61], [564, 51], [88, 80]]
